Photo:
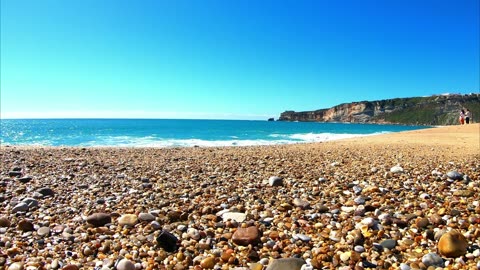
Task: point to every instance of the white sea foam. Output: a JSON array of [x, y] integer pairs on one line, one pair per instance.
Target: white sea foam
[[151, 141]]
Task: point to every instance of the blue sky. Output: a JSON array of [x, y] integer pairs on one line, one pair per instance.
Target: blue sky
[[238, 59]]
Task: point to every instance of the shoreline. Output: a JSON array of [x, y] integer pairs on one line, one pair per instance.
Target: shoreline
[[378, 201]]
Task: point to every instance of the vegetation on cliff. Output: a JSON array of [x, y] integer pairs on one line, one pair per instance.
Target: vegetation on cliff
[[432, 110]]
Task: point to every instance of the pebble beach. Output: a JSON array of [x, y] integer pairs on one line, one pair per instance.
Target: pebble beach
[[408, 200]]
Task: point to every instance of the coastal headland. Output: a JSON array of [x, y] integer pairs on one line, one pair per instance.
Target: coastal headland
[[408, 200]]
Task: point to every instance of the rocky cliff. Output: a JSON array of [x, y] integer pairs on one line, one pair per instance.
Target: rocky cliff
[[433, 110]]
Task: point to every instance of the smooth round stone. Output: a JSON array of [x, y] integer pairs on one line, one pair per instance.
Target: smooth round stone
[[404, 266], [4, 222], [359, 249], [167, 241], [238, 217], [389, 243], [125, 264], [16, 266], [146, 217], [207, 263], [25, 179], [286, 263], [302, 237], [301, 203], [43, 231], [127, 220], [359, 200], [99, 219], [422, 222], [454, 175], [156, 225], [396, 169], [345, 256], [433, 259], [246, 236], [31, 202], [452, 244], [370, 222], [20, 207], [46, 191], [275, 181], [25, 225]]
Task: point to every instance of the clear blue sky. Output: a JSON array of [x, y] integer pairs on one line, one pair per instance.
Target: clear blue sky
[[239, 59]]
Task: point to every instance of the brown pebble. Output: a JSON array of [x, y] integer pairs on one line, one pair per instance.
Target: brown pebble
[[452, 244]]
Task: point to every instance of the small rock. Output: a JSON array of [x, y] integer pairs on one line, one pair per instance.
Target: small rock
[[396, 169], [25, 179], [25, 225], [208, 263], [389, 243], [246, 236], [301, 203], [167, 241], [286, 263], [238, 217], [46, 191], [4, 222], [43, 231], [99, 219], [146, 217], [20, 207], [454, 175], [433, 259], [275, 181], [452, 244], [70, 267], [14, 174], [422, 222], [125, 264], [31, 202], [16, 266], [127, 220], [302, 237]]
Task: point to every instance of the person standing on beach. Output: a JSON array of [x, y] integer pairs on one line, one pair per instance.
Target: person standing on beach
[[462, 117], [467, 116]]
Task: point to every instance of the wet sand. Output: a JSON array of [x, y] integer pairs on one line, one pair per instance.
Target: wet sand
[[371, 202]]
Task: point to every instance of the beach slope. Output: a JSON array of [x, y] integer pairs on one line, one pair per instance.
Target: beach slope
[[379, 201]]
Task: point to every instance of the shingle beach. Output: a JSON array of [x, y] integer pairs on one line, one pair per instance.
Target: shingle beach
[[408, 200]]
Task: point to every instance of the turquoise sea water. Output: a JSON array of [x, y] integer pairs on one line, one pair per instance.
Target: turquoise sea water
[[177, 133]]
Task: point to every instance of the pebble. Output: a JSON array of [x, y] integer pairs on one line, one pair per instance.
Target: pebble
[[452, 244], [246, 236], [301, 203], [25, 225], [43, 231], [286, 263], [45, 191], [208, 263], [20, 207], [146, 217], [454, 175], [167, 241], [99, 219], [238, 217], [4, 222], [433, 259], [125, 264], [127, 220], [16, 266], [275, 181], [396, 169]]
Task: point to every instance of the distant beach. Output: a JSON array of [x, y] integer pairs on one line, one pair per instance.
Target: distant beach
[[385, 201]]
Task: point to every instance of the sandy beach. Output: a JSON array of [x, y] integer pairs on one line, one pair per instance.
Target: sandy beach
[[408, 200]]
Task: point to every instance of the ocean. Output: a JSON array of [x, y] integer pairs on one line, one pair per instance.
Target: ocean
[[178, 133]]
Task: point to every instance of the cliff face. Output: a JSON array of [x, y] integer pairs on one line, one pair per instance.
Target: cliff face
[[434, 110]]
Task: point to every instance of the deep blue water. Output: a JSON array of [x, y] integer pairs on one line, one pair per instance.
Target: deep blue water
[[170, 133]]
